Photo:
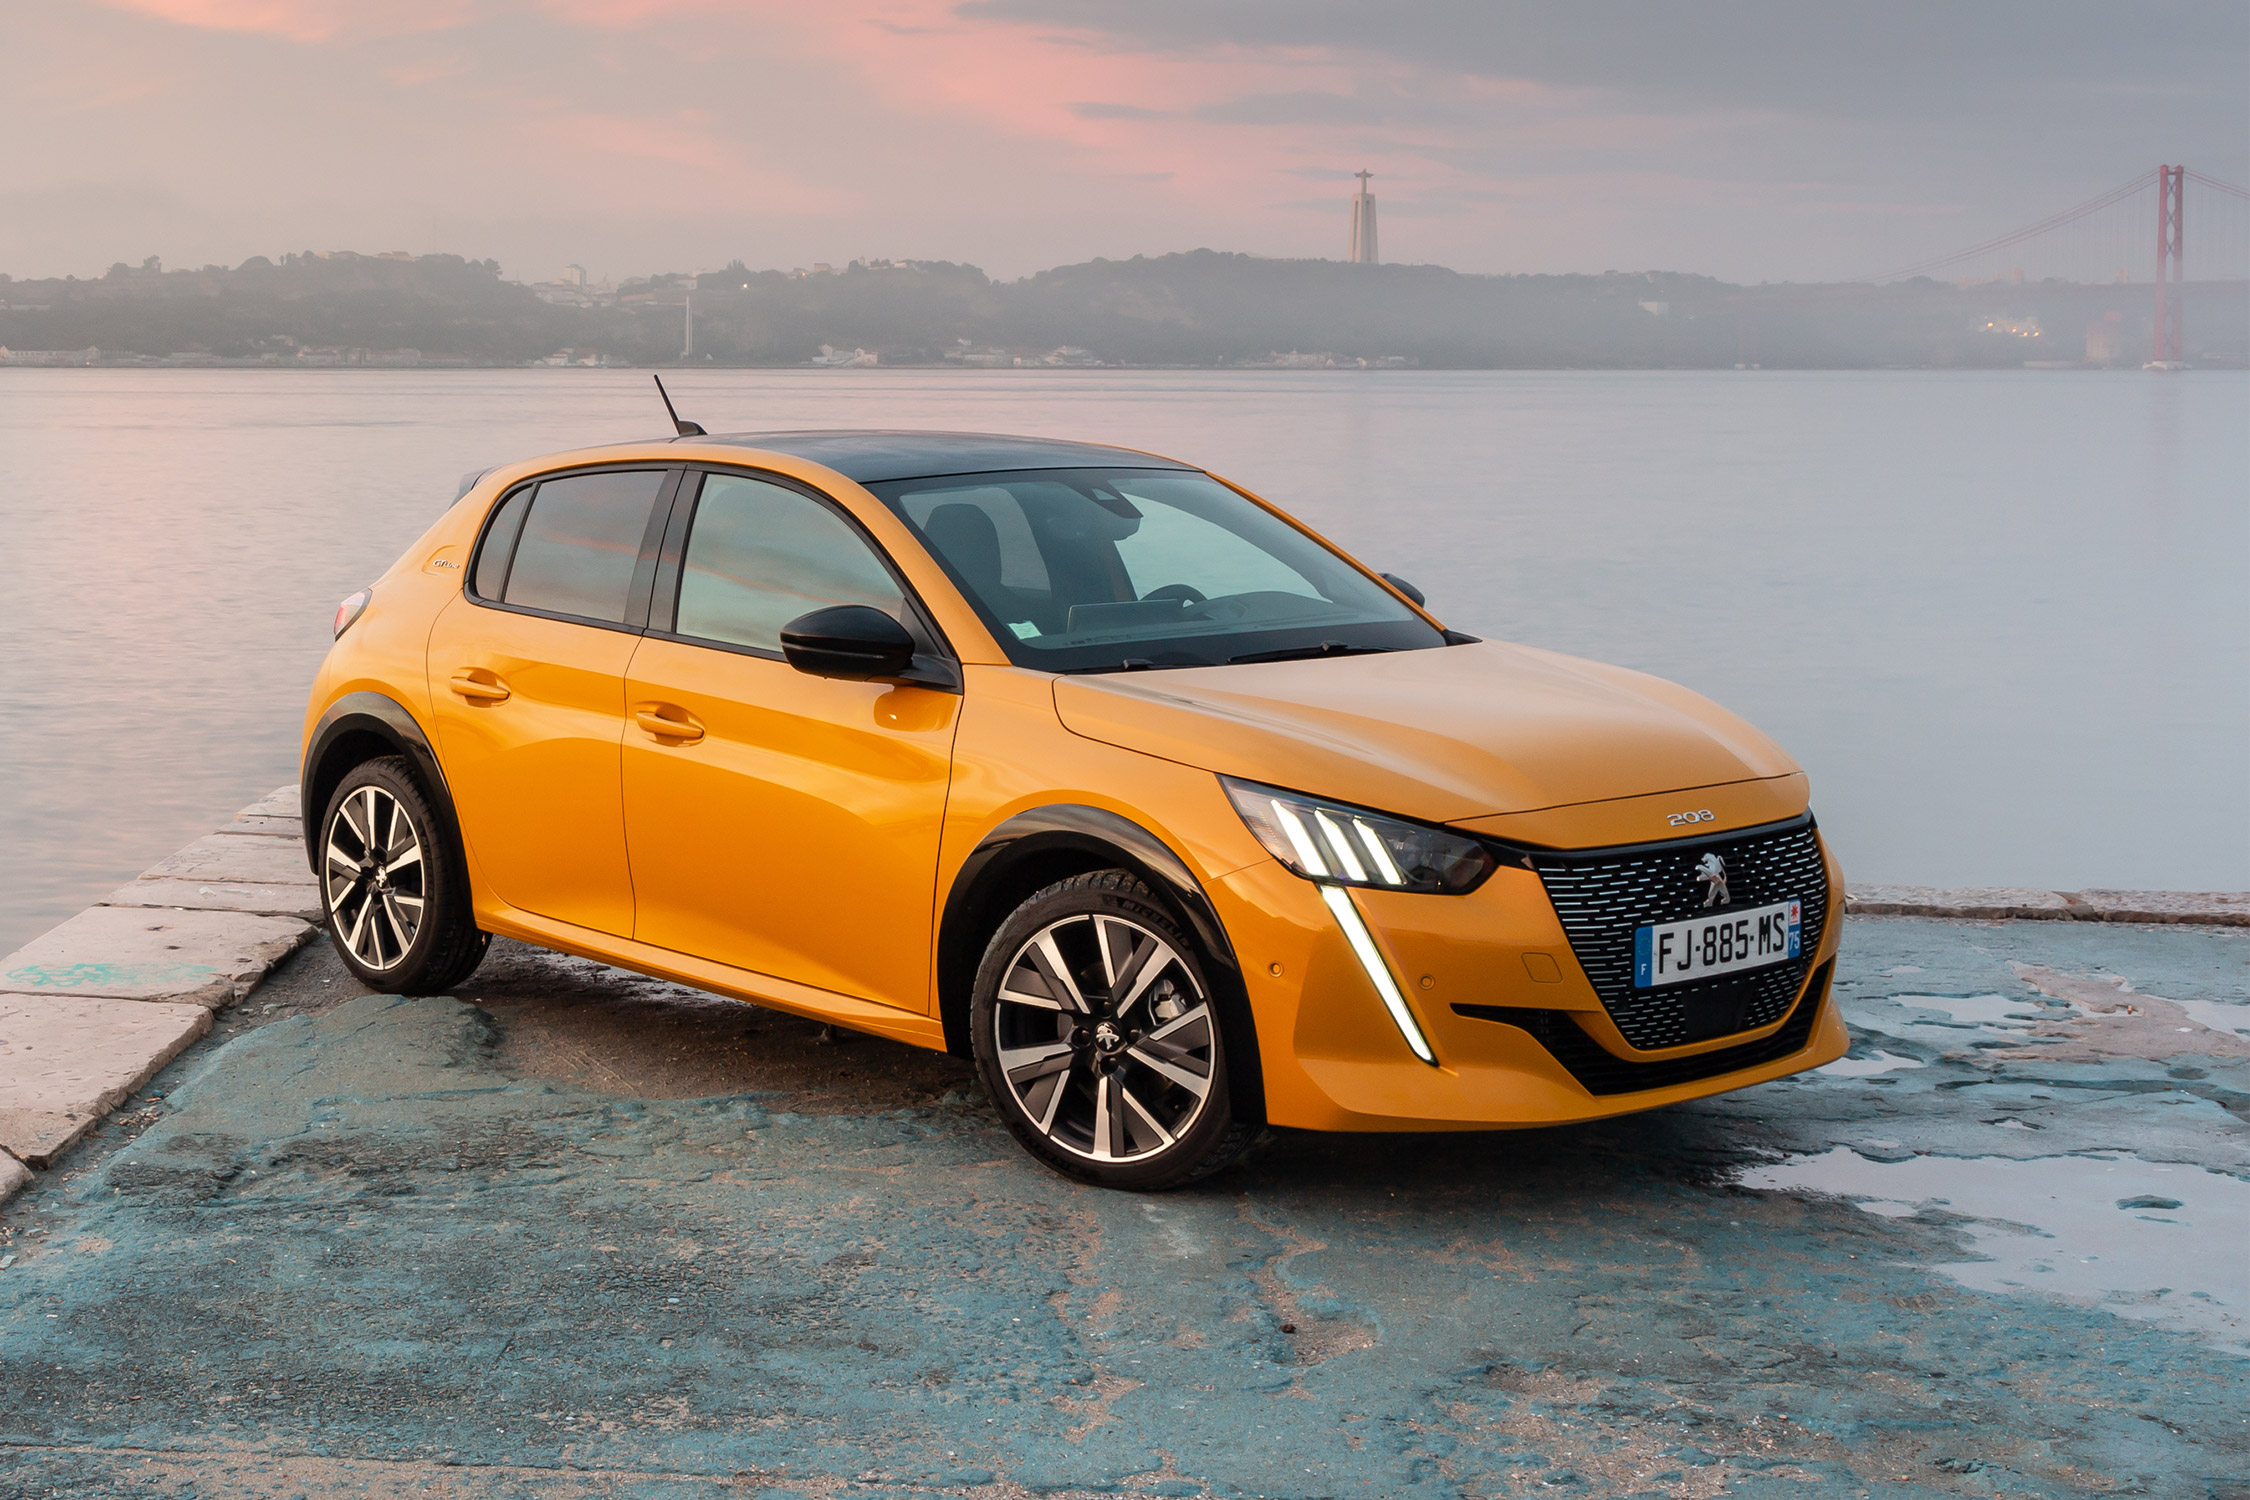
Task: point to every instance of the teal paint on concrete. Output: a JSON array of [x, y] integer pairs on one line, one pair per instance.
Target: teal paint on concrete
[[359, 1251], [104, 976]]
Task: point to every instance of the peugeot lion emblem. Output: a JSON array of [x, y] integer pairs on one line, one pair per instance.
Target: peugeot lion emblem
[[1712, 874]]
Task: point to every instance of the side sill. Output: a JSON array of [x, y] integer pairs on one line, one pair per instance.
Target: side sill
[[739, 984]]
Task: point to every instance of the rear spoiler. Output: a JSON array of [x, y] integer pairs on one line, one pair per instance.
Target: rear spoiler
[[469, 481]]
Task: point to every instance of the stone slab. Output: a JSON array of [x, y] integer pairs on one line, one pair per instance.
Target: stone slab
[[261, 826], [14, 1177], [2002, 903], [2210, 908], [281, 802], [65, 1063], [207, 958], [299, 901], [236, 859], [1988, 902]]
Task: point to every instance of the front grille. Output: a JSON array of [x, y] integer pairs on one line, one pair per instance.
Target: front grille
[[1600, 1071], [1602, 896]]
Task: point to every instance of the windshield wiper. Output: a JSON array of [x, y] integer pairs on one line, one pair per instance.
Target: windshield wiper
[[1297, 653]]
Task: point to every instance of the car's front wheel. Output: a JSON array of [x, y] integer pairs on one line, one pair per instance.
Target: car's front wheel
[[397, 892], [1098, 1037]]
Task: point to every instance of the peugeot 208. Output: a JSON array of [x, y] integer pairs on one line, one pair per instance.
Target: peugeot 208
[[1080, 762]]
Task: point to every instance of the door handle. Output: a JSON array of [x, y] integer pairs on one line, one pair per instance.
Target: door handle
[[476, 689], [660, 726]]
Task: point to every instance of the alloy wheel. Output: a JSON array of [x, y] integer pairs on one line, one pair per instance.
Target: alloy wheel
[[375, 877], [1105, 1038]]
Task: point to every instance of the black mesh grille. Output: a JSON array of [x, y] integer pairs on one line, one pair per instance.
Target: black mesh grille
[[1604, 895], [1600, 1071]]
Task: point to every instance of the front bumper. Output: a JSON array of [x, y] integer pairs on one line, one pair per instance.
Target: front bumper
[[1519, 1033]]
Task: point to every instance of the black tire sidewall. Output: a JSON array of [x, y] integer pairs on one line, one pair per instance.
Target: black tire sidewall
[[437, 942], [1120, 894]]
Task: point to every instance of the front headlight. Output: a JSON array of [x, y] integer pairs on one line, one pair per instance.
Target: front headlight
[[1337, 844]]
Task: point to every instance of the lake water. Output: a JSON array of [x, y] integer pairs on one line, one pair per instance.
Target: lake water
[[2002, 618]]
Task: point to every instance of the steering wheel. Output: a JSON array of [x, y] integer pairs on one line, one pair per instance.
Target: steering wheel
[[1186, 593]]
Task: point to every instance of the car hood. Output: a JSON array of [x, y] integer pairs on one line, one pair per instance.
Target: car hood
[[1442, 735]]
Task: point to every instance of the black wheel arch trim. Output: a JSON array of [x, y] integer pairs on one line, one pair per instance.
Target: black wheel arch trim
[[1098, 838], [362, 715]]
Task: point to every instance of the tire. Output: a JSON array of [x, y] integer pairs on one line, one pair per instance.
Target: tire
[[395, 885], [1100, 1041]]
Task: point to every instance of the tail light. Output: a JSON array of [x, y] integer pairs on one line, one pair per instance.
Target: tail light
[[348, 612]]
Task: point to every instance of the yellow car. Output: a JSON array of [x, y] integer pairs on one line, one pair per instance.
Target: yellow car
[[1077, 761]]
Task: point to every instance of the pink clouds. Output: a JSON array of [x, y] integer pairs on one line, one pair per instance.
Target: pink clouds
[[1023, 133], [305, 20]]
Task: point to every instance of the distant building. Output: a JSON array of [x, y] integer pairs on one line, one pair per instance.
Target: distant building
[[48, 356], [1363, 224], [575, 287], [2105, 341]]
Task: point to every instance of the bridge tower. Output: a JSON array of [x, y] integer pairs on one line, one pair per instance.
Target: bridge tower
[[2171, 283], [1363, 223]]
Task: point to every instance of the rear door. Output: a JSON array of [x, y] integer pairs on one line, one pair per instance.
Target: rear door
[[527, 670], [779, 822]]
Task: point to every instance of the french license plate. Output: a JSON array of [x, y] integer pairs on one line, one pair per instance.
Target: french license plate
[[1723, 943]]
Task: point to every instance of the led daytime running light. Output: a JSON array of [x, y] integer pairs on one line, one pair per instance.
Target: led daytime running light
[[1378, 972], [1353, 869], [1291, 824]]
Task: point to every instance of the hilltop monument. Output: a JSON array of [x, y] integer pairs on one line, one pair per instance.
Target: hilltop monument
[[1363, 223]]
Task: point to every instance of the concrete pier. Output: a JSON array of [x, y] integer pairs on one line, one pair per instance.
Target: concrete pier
[[575, 1232], [90, 1010]]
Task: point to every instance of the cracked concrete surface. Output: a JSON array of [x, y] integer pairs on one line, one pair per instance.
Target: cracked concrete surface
[[575, 1233]]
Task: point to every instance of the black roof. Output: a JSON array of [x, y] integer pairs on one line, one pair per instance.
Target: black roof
[[866, 457]]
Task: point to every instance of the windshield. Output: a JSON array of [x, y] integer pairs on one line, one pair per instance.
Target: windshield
[[1090, 570]]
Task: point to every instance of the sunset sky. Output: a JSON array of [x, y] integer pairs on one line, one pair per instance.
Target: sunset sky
[[1785, 140]]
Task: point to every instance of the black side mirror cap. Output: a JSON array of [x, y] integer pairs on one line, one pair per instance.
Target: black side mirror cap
[[1408, 589], [851, 641]]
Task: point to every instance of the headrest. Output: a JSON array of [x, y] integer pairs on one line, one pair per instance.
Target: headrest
[[964, 536]]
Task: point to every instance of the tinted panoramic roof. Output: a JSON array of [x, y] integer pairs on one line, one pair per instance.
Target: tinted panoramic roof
[[871, 456]]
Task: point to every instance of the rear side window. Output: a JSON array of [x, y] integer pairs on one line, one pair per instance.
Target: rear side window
[[580, 541], [760, 555], [500, 546]]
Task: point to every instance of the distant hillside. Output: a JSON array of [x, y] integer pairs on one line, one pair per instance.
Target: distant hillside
[[1199, 308]]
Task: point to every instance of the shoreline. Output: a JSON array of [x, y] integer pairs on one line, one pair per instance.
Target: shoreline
[[97, 1006]]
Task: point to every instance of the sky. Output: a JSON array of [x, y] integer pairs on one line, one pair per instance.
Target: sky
[[1748, 139]]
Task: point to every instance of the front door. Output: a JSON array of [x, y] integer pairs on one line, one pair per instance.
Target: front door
[[527, 672], [779, 822]]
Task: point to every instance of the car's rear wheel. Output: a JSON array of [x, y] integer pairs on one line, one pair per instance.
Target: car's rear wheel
[[1098, 1036], [397, 892]]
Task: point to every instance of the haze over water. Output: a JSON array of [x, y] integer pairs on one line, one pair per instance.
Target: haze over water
[[2001, 618]]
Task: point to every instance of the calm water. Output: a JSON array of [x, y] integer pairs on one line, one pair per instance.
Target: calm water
[[2002, 618]]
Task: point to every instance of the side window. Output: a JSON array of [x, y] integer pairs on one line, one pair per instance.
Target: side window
[[759, 555], [500, 546], [581, 540]]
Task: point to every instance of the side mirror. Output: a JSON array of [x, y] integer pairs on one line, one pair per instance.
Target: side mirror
[[1408, 589], [851, 641]]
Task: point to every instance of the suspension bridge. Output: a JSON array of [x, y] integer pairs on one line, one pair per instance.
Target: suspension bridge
[[2136, 232]]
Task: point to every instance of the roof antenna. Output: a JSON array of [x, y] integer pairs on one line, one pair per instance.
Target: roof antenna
[[684, 429]]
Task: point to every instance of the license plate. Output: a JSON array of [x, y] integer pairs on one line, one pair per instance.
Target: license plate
[[1723, 943]]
